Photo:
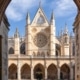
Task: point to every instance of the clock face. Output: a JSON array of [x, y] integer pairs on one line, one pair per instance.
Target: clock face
[[40, 40]]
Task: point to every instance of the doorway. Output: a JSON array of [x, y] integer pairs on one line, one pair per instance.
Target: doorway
[[39, 72]]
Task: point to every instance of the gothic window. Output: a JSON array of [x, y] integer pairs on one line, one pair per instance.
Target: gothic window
[[22, 48], [56, 53], [40, 20], [11, 51], [58, 50], [40, 40], [66, 40]]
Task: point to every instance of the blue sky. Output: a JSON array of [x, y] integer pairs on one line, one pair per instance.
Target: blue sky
[[64, 11]]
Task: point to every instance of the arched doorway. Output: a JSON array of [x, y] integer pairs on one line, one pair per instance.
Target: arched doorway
[[52, 72], [65, 72], [12, 71], [39, 72], [25, 72]]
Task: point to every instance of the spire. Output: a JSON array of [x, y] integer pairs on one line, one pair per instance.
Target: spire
[[28, 18], [66, 29], [40, 4], [52, 21], [16, 33], [61, 33]]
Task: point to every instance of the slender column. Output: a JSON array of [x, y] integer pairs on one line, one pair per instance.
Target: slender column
[[18, 69], [71, 73], [45, 73], [58, 73], [32, 73]]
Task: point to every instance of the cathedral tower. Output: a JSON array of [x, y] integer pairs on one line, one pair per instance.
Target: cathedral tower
[[16, 42]]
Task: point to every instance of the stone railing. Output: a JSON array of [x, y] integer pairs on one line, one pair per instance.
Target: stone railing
[[12, 56]]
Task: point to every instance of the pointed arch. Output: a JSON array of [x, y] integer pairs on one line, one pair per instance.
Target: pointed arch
[[12, 71], [11, 50], [40, 16], [39, 71], [52, 72], [65, 72], [25, 72]]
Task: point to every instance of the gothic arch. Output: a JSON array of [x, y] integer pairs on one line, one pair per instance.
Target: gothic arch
[[11, 50], [25, 72], [12, 71], [52, 72], [22, 48], [39, 71], [65, 72]]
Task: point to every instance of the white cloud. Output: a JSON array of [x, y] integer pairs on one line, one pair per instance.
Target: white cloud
[[17, 8], [64, 7], [13, 14]]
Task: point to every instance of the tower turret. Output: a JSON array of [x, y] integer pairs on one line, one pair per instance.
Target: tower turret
[[52, 35], [66, 35], [16, 42], [16, 34], [28, 19], [66, 41], [52, 20]]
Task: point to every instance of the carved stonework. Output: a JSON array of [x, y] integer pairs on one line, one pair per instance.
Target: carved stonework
[[40, 40]]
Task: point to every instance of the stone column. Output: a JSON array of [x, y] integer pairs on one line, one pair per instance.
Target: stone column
[[32, 75], [71, 73], [58, 73], [45, 73], [18, 70]]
